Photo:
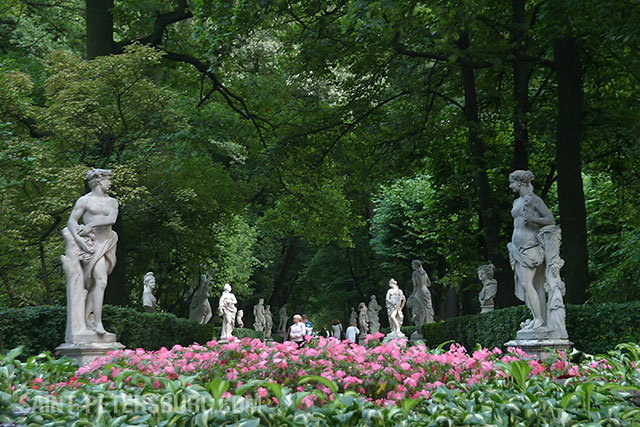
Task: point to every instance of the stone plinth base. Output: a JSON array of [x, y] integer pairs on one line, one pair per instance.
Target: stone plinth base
[[539, 348], [416, 336], [85, 353], [392, 336]]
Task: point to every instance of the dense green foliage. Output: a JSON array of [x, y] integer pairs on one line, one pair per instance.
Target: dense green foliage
[[42, 328], [593, 328], [308, 150]]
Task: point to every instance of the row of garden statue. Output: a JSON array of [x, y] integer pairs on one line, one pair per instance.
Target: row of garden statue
[[90, 256]]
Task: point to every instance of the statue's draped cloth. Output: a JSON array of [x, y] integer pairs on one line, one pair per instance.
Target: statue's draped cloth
[[105, 249], [543, 256]]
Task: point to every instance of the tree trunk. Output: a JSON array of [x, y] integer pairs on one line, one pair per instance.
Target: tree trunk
[[45, 276], [277, 299], [488, 211], [520, 88], [117, 292], [99, 27], [573, 216]]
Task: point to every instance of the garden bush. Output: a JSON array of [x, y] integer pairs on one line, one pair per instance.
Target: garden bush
[[42, 328], [593, 328]]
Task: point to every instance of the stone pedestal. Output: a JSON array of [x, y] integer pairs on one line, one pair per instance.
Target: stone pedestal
[[85, 353], [539, 348], [392, 336], [416, 336]]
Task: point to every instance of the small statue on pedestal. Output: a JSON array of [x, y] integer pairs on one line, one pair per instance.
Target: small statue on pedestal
[[489, 287]]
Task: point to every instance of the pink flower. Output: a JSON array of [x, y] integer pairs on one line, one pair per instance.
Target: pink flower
[[308, 400], [262, 392]]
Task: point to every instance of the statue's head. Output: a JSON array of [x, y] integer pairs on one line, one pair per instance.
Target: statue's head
[[486, 271], [416, 264], [149, 280], [393, 283], [99, 176], [520, 178], [268, 307], [227, 287], [261, 301], [362, 305], [373, 297]]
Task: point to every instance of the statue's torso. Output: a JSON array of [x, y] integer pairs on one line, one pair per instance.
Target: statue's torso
[[523, 232], [97, 208]]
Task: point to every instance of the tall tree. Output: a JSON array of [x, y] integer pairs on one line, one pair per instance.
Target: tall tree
[[568, 155]]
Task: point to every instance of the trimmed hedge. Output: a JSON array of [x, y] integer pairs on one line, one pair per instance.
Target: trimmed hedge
[[42, 328], [593, 328]]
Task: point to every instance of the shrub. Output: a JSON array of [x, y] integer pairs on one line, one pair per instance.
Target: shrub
[[42, 328], [593, 328]]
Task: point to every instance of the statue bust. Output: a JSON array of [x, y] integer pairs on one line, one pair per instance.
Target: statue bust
[[227, 310], [148, 300], [534, 253], [89, 258], [395, 302], [489, 287]]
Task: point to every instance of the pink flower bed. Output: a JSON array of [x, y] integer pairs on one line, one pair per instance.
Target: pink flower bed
[[383, 373]]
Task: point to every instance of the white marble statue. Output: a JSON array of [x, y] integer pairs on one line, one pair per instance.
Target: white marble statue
[[258, 316], [534, 253], [489, 287], [282, 326], [239, 321], [148, 300], [353, 318], [420, 300], [374, 318], [395, 302], [89, 258], [268, 322], [200, 308], [363, 319], [227, 310]]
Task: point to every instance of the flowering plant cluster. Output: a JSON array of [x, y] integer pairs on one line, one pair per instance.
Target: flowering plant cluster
[[385, 373], [327, 379]]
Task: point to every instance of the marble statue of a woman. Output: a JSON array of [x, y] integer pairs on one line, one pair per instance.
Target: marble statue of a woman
[[282, 326], [420, 300], [534, 253], [395, 301], [227, 310], [200, 308], [258, 316], [268, 322], [363, 319], [374, 318]]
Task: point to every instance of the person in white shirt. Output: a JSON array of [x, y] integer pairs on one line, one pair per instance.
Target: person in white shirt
[[352, 332], [297, 331]]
